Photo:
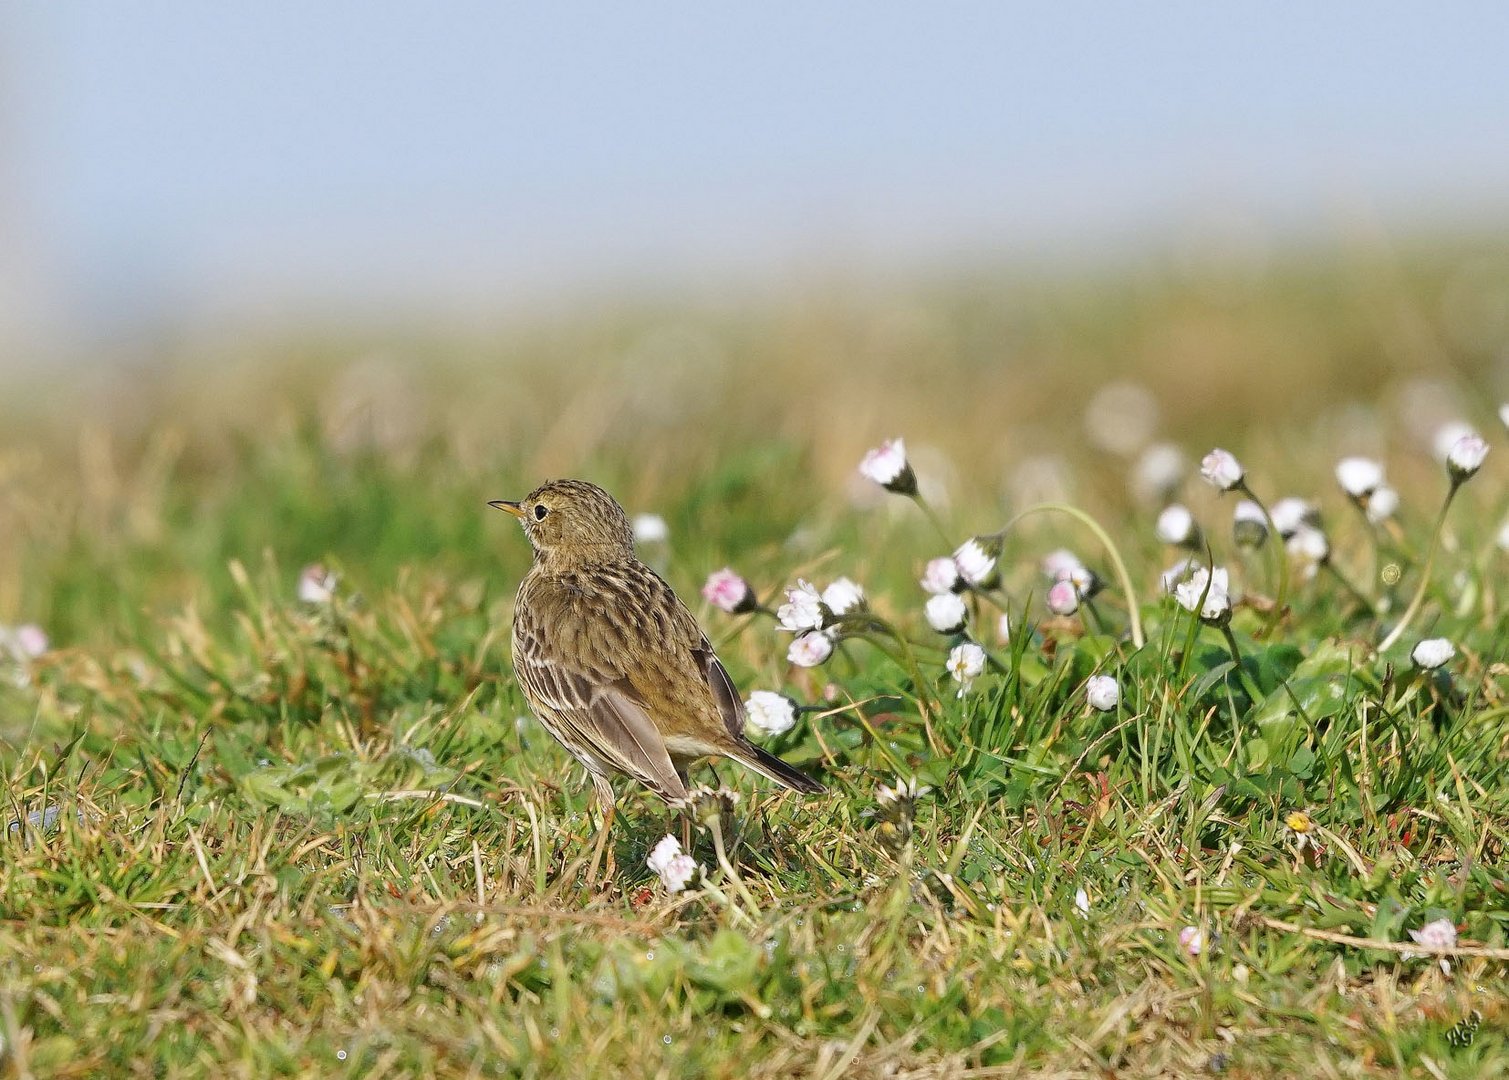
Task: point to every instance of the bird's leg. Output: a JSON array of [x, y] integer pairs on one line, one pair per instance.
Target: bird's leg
[[685, 811], [606, 807]]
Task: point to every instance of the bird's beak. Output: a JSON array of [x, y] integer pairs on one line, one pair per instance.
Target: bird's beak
[[508, 507]]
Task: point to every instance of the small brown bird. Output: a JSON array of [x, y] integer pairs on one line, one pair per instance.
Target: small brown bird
[[611, 662]]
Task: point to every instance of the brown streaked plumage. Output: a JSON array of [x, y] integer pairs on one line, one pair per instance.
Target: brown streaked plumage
[[609, 659]]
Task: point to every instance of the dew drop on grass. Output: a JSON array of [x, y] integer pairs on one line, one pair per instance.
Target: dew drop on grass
[[666, 1039], [340, 1055], [650, 955], [555, 1033]]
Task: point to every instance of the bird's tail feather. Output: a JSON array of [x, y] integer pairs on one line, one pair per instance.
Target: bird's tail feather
[[769, 765]]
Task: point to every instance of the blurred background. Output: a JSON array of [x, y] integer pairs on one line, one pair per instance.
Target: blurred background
[[498, 242]]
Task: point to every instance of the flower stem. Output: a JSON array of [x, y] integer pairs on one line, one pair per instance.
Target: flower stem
[[931, 516], [1279, 552], [1122, 576], [1430, 557], [1357, 594], [1236, 658]]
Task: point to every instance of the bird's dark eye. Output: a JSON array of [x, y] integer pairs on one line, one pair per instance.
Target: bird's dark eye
[[540, 511]]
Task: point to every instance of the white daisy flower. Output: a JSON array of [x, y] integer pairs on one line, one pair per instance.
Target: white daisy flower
[[803, 609], [674, 867], [1206, 592], [965, 663]]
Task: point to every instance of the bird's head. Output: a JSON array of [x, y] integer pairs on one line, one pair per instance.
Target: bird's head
[[572, 519]]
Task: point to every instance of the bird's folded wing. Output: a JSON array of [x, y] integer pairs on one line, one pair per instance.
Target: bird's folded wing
[[605, 718], [725, 695]]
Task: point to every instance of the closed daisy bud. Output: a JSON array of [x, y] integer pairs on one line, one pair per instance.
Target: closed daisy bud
[[1102, 692], [1359, 476], [316, 585], [1158, 473], [1503, 536], [1382, 504], [965, 663], [1176, 526], [1192, 940], [1063, 597], [1447, 436], [1206, 593], [844, 597], [976, 559], [1060, 564], [1292, 514], [1309, 545], [1432, 653], [1082, 902], [887, 466], [810, 650], [946, 613], [31, 640], [941, 576], [768, 714], [1003, 627], [803, 609], [1086, 582], [1437, 934], [674, 867], [1504, 415], [727, 591], [1221, 469], [1466, 457], [651, 529], [1249, 528]]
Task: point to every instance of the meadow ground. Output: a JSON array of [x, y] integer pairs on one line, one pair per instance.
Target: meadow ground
[[256, 834]]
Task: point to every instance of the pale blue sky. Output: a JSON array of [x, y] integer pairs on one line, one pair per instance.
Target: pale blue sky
[[309, 155]]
